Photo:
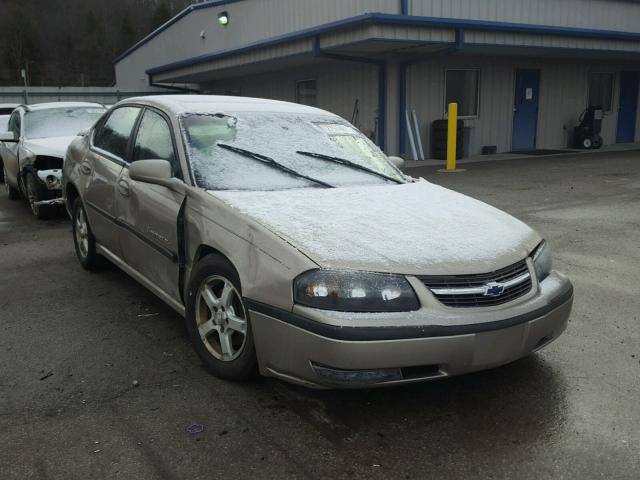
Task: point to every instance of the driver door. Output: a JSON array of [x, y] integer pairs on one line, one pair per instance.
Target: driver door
[[149, 213]]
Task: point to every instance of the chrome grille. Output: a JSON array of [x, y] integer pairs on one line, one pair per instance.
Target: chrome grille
[[471, 290]]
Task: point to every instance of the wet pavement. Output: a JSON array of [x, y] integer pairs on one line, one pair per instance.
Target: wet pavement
[[73, 343]]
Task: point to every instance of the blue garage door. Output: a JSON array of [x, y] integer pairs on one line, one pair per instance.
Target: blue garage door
[[629, 82], [525, 109]]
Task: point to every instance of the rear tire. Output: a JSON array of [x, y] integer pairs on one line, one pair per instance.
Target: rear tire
[[587, 143], [218, 321], [83, 238], [12, 193]]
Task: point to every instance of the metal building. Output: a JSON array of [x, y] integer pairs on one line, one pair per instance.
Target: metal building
[[522, 71]]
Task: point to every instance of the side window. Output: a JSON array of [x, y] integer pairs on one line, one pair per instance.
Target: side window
[[113, 136], [14, 124], [154, 140]]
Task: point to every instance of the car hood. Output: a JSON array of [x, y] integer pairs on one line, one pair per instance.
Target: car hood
[[417, 228], [52, 146]]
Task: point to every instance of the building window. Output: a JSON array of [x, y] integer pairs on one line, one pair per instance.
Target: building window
[[307, 93], [601, 90], [462, 87]]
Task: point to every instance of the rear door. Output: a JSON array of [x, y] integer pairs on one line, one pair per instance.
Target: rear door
[[149, 213], [100, 172]]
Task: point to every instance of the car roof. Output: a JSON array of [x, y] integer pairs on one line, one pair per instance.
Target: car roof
[[52, 105], [178, 104], [9, 105]]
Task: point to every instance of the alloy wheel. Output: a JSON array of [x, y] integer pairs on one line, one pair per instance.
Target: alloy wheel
[[81, 231], [221, 318]]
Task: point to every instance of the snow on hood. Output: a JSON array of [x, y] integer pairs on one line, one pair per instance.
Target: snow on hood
[[53, 146], [417, 228]]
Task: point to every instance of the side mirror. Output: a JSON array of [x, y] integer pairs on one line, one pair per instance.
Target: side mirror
[[397, 161], [156, 172], [84, 132], [8, 137]]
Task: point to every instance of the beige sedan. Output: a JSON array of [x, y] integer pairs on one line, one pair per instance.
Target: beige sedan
[[295, 248]]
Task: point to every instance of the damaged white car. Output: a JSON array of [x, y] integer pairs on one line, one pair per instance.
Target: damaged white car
[[33, 149]]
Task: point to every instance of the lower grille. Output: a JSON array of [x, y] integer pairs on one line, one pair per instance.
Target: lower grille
[[481, 290]]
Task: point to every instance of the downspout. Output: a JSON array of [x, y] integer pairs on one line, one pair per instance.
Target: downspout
[[457, 46], [382, 83], [404, 7]]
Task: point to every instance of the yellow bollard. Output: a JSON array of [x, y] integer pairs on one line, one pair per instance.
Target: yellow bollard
[[452, 139]]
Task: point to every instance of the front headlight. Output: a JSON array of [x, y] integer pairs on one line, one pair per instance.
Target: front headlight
[[542, 262], [354, 291]]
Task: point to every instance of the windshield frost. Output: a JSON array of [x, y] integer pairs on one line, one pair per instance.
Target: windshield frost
[[279, 136], [60, 122]]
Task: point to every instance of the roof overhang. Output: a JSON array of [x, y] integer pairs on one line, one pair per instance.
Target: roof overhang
[[376, 37]]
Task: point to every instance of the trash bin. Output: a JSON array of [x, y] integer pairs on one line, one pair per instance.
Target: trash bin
[[439, 138]]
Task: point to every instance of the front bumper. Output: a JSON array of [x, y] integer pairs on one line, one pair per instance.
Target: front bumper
[[316, 354]]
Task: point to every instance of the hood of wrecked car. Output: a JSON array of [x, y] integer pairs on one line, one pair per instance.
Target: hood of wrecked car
[[52, 146], [417, 228]]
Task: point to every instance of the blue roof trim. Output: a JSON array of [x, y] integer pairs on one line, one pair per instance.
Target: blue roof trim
[[404, 20], [164, 26]]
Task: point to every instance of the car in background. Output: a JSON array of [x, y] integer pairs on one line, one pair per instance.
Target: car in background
[[293, 246], [33, 147]]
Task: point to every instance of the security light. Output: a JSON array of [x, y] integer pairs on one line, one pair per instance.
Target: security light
[[223, 19]]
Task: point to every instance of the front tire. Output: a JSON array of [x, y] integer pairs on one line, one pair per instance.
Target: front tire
[[36, 193], [218, 321], [83, 238]]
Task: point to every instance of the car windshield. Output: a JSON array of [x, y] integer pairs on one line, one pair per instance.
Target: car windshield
[[60, 122], [4, 122], [214, 144]]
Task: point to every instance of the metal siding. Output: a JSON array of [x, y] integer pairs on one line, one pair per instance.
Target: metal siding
[[602, 14], [339, 85], [250, 21], [563, 97]]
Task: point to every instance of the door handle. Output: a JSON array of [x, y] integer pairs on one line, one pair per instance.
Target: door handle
[[123, 187], [85, 169]]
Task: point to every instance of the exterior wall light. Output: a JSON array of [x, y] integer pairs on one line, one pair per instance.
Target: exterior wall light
[[223, 19]]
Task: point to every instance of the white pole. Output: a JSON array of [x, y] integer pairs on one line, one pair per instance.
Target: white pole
[[418, 137], [412, 141]]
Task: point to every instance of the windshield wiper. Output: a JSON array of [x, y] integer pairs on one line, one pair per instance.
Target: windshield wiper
[[349, 163], [272, 163]]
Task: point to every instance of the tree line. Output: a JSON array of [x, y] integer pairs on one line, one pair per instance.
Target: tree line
[[73, 42]]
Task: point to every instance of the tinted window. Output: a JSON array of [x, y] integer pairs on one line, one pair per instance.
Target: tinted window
[[154, 140], [462, 88], [307, 93], [14, 124], [114, 134], [601, 90]]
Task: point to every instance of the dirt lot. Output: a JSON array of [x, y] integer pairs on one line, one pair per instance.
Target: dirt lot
[[72, 344]]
